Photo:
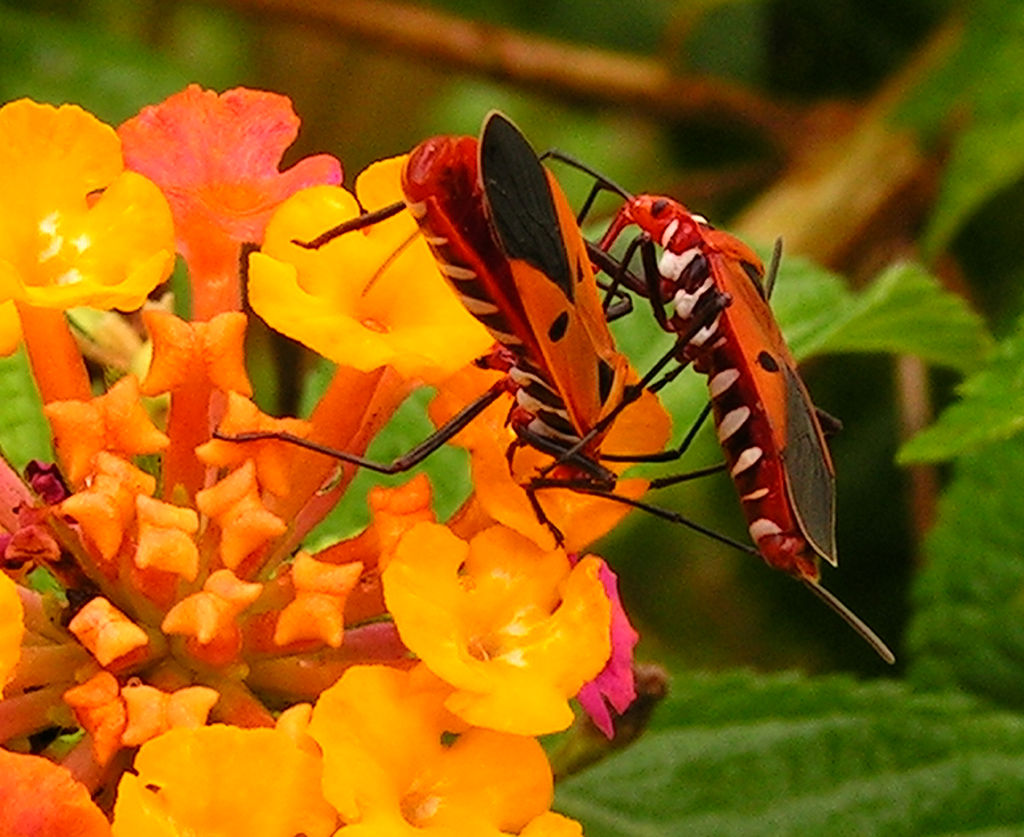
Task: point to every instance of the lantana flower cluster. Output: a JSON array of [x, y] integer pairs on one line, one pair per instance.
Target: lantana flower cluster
[[173, 661]]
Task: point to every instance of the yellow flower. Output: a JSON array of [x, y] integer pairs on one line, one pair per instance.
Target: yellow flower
[[350, 303], [226, 781], [78, 228], [514, 629], [12, 628], [388, 769]]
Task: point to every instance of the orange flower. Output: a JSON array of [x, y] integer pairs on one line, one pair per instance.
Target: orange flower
[[245, 524], [208, 617], [100, 709], [354, 300], [388, 771], [115, 422], [107, 632], [152, 712], [182, 351], [216, 157], [105, 509], [318, 611], [514, 629], [165, 538], [40, 798], [272, 459]]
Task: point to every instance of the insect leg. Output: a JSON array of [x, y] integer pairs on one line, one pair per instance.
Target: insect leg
[[672, 453], [367, 219], [665, 514], [404, 462]]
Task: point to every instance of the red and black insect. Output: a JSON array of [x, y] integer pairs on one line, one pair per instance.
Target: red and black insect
[[504, 236], [767, 425]]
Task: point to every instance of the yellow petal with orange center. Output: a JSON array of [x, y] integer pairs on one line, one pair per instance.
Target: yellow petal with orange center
[[12, 628], [366, 299], [226, 781], [10, 328], [106, 632], [550, 824], [514, 629], [139, 811], [79, 230]]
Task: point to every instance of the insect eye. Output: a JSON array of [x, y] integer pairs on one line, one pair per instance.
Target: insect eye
[[767, 362], [658, 207]]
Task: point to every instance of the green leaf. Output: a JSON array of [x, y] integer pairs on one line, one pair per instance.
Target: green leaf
[[991, 408], [968, 628], [24, 432], [903, 311], [742, 754]]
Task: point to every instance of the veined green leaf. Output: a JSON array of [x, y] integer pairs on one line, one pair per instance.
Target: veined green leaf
[[903, 311], [744, 754], [968, 628]]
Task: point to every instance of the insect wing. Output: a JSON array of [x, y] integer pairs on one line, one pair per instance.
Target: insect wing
[[555, 282], [796, 432]]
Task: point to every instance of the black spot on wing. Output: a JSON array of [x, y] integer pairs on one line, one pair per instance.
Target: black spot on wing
[[518, 197], [605, 379], [767, 362], [558, 327]]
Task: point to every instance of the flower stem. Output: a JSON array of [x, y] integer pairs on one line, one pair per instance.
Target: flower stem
[[57, 363]]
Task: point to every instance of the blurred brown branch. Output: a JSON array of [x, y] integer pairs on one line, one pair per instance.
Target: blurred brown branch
[[554, 67]]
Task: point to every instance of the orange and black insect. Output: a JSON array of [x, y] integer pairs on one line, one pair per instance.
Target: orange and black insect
[[504, 235], [768, 427]]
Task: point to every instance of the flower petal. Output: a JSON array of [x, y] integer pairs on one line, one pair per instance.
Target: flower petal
[[228, 781]]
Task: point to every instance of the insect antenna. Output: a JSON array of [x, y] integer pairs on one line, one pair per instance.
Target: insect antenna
[[773, 269], [390, 260], [851, 619]]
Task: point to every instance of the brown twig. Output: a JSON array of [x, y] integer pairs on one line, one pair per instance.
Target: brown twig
[[554, 67]]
